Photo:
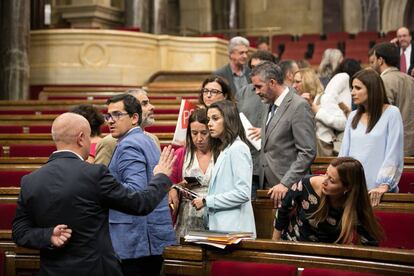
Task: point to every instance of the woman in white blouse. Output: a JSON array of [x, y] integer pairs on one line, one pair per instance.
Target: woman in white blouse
[[335, 105]]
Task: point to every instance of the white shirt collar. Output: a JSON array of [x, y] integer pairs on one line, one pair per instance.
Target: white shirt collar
[[80, 157], [279, 99]]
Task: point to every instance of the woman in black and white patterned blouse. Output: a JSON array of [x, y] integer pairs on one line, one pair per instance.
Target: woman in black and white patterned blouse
[[334, 208]]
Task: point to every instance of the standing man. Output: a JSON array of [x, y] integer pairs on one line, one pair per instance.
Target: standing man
[[105, 148], [236, 71], [399, 87], [138, 241], [288, 132], [63, 206], [289, 68], [255, 111], [403, 41]]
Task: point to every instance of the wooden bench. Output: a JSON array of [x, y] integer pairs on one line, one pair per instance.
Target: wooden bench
[[198, 260], [99, 93], [32, 107], [201, 260], [43, 119]]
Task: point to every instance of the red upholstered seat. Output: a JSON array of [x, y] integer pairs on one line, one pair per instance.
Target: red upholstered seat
[[295, 50], [54, 111], [406, 184], [310, 37], [105, 129], [229, 268], [31, 150], [11, 178], [16, 112], [1, 262], [40, 129], [329, 272], [167, 111], [398, 228], [163, 145], [160, 129], [367, 35], [339, 36], [7, 211], [11, 129]]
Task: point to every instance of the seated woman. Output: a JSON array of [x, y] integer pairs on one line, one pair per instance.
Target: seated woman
[[334, 208], [95, 120], [228, 201], [194, 160], [213, 89]]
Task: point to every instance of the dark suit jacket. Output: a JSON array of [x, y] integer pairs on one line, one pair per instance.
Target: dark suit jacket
[[226, 73], [288, 143], [70, 191], [411, 59]]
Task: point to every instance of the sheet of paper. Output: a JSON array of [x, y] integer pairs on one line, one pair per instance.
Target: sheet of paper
[[257, 144]]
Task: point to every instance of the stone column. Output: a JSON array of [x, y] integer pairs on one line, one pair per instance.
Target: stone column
[[370, 15], [37, 14], [14, 46], [226, 16], [137, 14], [332, 16], [159, 18]]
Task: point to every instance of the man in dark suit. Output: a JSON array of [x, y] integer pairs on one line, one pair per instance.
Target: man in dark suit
[[236, 71], [288, 132], [406, 50], [63, 206]]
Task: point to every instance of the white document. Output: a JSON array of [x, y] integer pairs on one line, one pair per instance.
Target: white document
[[257, 144]]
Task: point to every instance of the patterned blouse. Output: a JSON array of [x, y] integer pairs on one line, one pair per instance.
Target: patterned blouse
[[296, 225]]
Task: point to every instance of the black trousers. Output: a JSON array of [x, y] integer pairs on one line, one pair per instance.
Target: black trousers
[[145, 266]]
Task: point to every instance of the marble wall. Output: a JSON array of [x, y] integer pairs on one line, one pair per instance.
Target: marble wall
[[104, 57]]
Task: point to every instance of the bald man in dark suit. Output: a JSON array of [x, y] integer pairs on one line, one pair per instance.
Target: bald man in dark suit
[[63, 206]]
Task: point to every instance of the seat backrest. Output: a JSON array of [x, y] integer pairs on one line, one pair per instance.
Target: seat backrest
[[229, 268], [11, 178], [398, 229], [406, 184], [31, 150], [7, 211]]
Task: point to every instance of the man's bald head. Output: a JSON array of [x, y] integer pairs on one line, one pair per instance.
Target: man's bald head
[[71, 131]]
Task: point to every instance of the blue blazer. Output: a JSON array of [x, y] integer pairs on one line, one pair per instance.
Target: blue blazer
[[132, 165], [228, 200]]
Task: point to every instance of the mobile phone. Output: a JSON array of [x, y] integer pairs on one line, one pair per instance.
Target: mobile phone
[[192, 181]]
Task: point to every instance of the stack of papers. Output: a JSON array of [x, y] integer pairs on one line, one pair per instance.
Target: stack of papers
[[216, 238]]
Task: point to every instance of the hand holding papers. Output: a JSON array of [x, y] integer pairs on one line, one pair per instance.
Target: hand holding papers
[[246, 125], [216, 238]]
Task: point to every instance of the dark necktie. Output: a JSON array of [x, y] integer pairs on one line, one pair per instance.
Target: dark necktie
[[403, 63], [272, 109]]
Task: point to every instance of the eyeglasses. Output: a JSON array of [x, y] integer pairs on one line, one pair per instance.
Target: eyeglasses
[[115, 116], [213, 92]]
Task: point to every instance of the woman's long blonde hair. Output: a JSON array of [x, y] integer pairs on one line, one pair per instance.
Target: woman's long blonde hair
[[310, 82], [356, 208]]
